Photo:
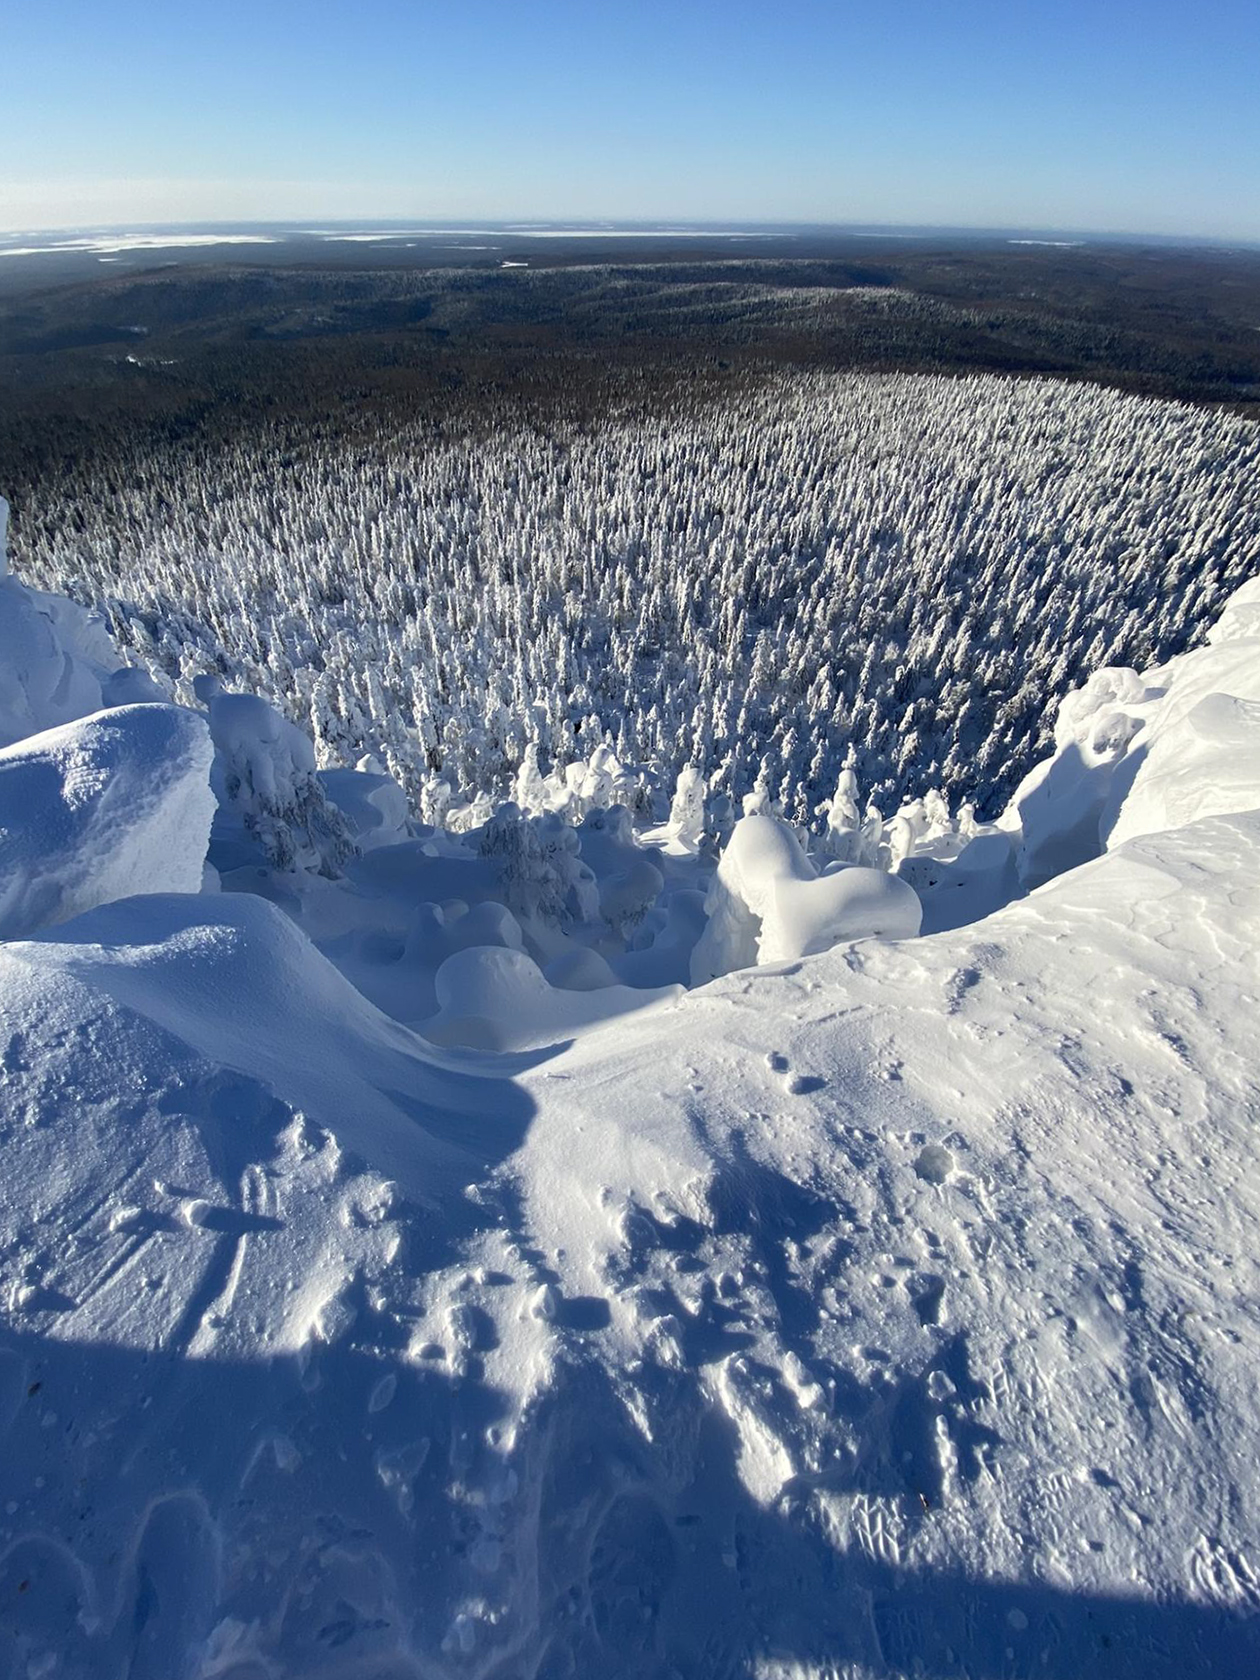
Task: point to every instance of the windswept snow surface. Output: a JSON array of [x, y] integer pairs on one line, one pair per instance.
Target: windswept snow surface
[[1197, 756], [884, 1312], [101, 809]]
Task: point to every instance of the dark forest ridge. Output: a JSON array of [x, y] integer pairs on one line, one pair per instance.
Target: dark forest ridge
[[97, 325], [49, 257]]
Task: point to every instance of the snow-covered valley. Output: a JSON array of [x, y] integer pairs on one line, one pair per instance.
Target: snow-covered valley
[[535, 1245]]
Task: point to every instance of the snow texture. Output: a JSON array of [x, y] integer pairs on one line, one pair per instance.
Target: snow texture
[[884, 1312], [110, 806]]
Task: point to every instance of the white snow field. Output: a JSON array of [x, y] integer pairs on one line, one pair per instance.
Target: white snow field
[[886, 1311]]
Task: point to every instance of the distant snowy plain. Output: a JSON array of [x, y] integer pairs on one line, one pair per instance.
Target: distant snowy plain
[[539, 1245]]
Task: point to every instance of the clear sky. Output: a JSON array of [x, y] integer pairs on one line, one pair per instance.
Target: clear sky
[[1092, 114]]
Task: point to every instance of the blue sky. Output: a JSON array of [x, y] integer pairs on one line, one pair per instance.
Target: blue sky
[[1098, 114]]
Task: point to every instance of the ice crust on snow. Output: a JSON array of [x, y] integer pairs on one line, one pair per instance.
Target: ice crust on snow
[[115, 804], [888, 1310]]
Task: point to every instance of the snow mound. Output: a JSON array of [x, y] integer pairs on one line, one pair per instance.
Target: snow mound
[[100, 809], [916, 1257], [497, 998], [1240, 617], [1059, 805], [373, 805], [769, 904], [1141, 753], [239, 1176], [58, 661], [130, 686], [43, 682], [232, 979]]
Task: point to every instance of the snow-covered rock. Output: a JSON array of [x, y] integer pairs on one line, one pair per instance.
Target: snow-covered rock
[[100, 809]]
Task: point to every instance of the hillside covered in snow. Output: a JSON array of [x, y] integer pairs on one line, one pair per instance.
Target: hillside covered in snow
[[537, 1238]]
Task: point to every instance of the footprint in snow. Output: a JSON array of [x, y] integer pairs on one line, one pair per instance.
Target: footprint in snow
[[934, 1163], [796, 1084], [927, 1294]]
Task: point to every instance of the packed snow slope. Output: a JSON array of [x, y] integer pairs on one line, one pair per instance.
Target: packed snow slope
[[887, 1311]]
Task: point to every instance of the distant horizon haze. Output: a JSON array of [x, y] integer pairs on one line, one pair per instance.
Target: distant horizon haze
[[206, 231]]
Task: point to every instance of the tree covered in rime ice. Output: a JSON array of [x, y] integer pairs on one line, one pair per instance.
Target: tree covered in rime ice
[[264, 776], [896, 574]]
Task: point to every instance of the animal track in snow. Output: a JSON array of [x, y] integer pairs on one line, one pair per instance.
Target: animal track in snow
[[928, 1294]]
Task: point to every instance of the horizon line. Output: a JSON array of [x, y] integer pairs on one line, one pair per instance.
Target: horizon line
[[577, 226]]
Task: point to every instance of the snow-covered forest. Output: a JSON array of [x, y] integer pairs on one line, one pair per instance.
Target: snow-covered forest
[[551, 1246], [901, 572]]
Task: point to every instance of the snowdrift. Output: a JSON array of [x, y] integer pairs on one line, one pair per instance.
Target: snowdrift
[[499, 999], [115, 804], [1196, 757], [48, 674], [1140, 754]]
